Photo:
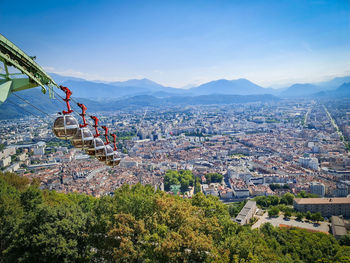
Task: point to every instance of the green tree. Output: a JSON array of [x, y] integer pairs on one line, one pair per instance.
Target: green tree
[[273, 211], [31, 198], [124, 238], [274, 200], [287, 199], [210, 205], [214, 177], [19, 182], [300, 216], [174, 181], [197, 186], [303, 194], [183, 178], [287, 214], [308, 215], [316, 217], [11, 213], [184, 185], [233, 210], [345, 240], [54, 233]]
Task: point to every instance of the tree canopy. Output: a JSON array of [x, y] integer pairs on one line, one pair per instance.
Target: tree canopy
[[140, 225], [214, 177], [184, 178]]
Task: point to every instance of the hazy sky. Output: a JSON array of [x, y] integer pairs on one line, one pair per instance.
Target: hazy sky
[[185, 42]]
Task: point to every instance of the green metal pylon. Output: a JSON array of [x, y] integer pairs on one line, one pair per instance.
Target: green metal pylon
[[12, 56]]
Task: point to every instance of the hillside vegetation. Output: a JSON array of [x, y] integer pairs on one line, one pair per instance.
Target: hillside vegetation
[[140, 225]]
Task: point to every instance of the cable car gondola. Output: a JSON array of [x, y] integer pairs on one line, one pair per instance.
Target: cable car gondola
[[115, 160], [84, 138], [97, 148], [108, 149], [66, 126]]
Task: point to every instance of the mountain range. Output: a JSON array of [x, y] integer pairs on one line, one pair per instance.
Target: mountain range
[[146, 93], [15, 107], [134, 87]]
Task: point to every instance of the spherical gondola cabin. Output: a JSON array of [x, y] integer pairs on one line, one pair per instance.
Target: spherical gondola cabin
[[65, 127], [83, 139], [108, 154], [115, 160], [97, 148]]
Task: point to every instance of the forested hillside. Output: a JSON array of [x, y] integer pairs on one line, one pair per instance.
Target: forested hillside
[[140, 225]]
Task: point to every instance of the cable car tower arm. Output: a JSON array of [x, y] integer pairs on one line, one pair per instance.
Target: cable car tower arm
[[11, 55]]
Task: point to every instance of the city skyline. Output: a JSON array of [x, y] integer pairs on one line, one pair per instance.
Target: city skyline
[[185, 43]]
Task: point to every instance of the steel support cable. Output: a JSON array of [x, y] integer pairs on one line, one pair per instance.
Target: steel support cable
[[26, 101], [36, 116], [58, 99]]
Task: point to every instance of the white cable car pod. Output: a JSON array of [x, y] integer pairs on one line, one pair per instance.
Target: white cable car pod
[[65, 127], [83, 139], [115, 160], [108, 154], [97, 148]]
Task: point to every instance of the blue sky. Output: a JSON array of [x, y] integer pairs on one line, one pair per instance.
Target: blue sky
[[185, 42]]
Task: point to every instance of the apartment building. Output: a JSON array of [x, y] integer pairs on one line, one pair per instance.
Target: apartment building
[[326, 206], [247, 212]]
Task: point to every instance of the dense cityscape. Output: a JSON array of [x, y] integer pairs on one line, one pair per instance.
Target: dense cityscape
[[302, 144]]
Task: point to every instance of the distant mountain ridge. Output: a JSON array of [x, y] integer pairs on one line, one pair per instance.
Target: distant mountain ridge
[[146, 83], [15, 108], [297, 90], [334, 83], [343, 91], [232, 87], [134, 87], [105, 96]]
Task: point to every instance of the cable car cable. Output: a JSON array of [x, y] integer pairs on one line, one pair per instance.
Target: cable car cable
[[36, 116], [30, 104]]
